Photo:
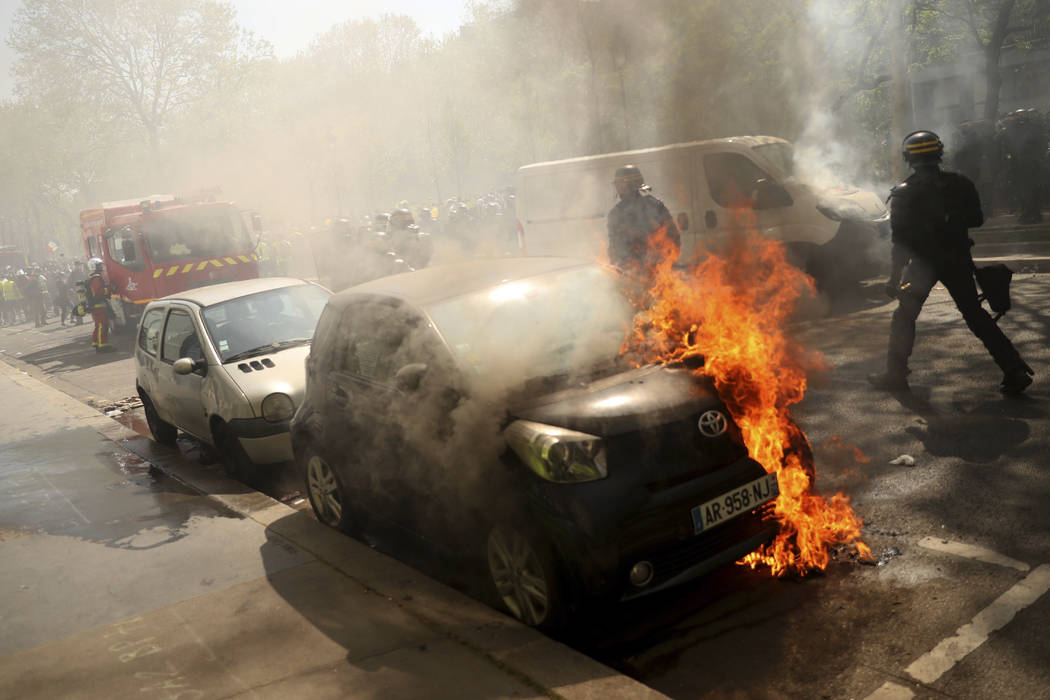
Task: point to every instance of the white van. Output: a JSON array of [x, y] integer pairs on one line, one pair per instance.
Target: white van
[[836, 234]]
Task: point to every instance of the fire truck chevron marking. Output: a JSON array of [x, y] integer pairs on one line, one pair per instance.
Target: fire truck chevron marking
[[157, 272], [245, 258], [230, 261]]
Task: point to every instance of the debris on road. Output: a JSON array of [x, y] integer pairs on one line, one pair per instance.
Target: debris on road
[[114, 409], [906, 460]]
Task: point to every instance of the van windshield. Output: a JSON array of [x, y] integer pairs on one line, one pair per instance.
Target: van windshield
[[781, 155], [194, 233]]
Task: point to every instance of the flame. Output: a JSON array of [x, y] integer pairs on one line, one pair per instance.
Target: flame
[[731, 309]]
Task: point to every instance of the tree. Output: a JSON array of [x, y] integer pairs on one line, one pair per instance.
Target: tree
[[991, 24], [136, 61]]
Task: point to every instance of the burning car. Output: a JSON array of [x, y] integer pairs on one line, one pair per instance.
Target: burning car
[[486, 409]]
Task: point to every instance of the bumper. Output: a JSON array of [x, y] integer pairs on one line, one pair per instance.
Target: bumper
[[263, 441], [655, 526]]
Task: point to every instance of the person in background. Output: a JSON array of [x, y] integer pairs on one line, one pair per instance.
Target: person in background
[[930, 215], [634, 220], [98, 298]]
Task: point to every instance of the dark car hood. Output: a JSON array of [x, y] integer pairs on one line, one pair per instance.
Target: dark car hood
[[623, 402]]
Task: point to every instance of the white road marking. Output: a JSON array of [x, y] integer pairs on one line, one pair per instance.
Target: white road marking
[[56, 490], [891, 691], [972, 552], [933, 664]]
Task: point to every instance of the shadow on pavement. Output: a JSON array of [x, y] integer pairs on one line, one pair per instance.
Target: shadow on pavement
[[978, 434], [76, 354]]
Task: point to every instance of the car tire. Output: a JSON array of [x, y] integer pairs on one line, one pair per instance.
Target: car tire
[[525, 577], [164, 433], [235, 461], [326, 493]]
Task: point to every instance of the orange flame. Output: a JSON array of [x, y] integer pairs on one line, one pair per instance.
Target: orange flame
[[731, 309]]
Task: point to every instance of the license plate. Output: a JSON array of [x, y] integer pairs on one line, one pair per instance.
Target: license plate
[[731, 504]]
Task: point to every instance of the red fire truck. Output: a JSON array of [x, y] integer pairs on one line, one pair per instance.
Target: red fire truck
[[161, 245]]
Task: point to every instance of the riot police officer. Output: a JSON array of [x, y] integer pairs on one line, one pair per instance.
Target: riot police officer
[[930, 213], [634, 220]]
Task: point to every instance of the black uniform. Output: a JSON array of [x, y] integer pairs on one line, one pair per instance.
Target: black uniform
[[930, 213], [631, 222]]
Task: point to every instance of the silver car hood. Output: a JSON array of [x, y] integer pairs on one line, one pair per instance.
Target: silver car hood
[[287, 375]]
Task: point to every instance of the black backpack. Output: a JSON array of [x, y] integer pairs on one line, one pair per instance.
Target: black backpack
[[994, 281]]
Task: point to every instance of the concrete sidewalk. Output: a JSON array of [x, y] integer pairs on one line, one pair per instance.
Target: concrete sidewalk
[[125, 579]]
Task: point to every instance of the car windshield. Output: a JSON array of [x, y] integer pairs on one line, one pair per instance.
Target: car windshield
[[194, 233], [266, 321], [560, 324]]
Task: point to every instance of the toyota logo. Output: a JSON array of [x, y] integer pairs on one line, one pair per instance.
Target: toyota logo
[[712, 423]]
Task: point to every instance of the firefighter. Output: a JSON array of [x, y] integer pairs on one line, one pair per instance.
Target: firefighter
[[930, 213], [98, 299], [633, 221]]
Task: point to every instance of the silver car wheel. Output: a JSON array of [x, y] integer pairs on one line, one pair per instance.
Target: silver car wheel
[[324, 491], [518, 574]]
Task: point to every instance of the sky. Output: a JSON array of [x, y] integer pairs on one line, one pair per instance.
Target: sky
[[289, 25]]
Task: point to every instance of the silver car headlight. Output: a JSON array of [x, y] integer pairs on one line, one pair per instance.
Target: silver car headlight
[[556, 454], [277, 407]]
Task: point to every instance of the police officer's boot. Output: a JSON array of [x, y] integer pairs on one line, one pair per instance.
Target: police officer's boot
[[1016, 380], [895, 378]]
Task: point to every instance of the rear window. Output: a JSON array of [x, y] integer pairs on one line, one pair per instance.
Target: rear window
[[149, 331]]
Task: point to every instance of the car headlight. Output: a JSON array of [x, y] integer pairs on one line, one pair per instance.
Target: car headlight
[[556, 454], [277, 407]]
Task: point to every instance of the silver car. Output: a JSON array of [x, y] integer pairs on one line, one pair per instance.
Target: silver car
[[225, 364]]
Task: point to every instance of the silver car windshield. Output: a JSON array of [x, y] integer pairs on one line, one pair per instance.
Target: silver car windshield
[[561, 323], [265, 321]]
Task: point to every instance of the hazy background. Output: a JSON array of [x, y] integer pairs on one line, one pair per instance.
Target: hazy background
[[308, 111]]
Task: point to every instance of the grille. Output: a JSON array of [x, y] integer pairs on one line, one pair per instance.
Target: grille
[[256, 365], [670, 561]]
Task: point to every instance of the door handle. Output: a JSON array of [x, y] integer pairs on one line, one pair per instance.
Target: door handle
[[339, 396], [710, 220]]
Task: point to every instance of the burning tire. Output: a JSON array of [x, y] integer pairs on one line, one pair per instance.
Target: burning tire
[[164, 433], [525, 577]]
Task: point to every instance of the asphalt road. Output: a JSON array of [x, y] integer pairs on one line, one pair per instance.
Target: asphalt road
[[957, 605]]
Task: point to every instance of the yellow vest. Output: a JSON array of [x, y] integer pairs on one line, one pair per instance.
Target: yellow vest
[[12, 291]]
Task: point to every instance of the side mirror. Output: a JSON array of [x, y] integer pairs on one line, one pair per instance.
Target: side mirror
[[769, 194], [187, 365], [409, 377], [256, 222]]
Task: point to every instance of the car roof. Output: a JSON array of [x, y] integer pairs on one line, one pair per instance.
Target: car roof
[[740, 142], [215, 293], [433, 284]]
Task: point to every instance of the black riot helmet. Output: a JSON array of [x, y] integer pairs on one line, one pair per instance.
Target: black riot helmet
[[401, 218], [628, 174], [922, 147], [627, 180]]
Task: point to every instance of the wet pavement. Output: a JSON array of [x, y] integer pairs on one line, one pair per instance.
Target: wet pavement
[[961, 538], [131, 571]]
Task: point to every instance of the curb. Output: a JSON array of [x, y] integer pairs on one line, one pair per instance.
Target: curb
[[550, 667]]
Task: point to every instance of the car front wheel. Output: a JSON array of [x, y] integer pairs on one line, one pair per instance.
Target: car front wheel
[[164, 433], [235, 461], [326, 493], [525, 577]]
